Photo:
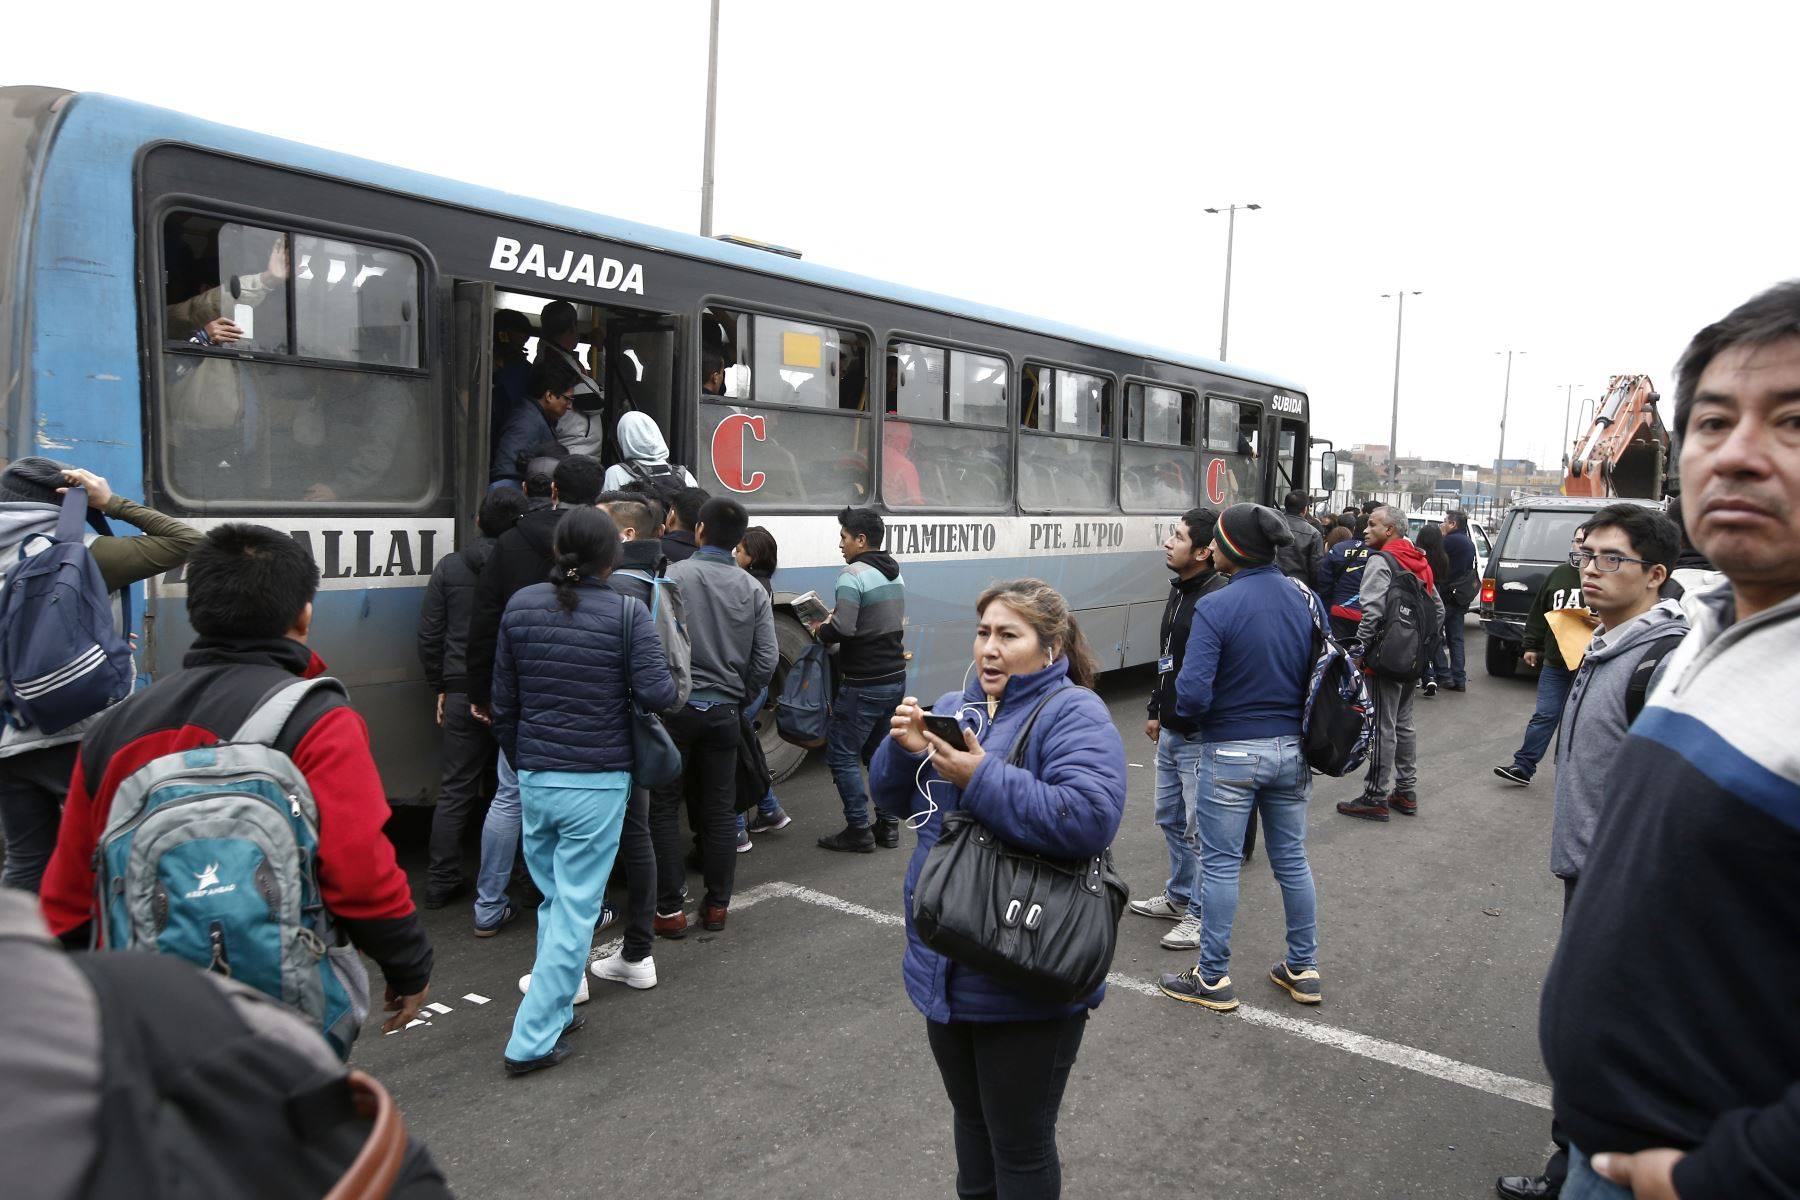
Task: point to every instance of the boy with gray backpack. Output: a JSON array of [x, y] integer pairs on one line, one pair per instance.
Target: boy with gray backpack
[[231, 814]]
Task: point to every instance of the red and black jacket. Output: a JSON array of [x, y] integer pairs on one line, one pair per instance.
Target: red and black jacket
[[206, 701]]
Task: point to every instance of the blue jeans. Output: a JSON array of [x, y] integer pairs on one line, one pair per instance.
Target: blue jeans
[[1552, 694], [1583, 1184], [1454, 655], [768, 806], [572, 824], [859, 720], [499, 844], [1177, 785], [1270, 776]]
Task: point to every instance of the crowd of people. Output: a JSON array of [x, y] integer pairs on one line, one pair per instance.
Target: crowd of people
[[603, 651]]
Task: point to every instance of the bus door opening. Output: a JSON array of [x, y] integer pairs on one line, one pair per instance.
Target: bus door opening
[[1287, 466]]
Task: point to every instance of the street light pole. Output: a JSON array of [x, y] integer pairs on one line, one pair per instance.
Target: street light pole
[[1505, 400], [712, 105], [1230, 211], [1568, 408], [1394, 420]]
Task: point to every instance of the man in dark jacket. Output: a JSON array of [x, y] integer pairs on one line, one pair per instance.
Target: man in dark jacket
[[731, 631], [1300, 558], [1339, 584], [520, 558], [1395, 746], [1675, 1071], [1243, 684], [1459, 590], [443, 645], [678, 531], [1561, 592], [250, 594], [533, 423], [868, 627], [1188, 552], [35, 764]]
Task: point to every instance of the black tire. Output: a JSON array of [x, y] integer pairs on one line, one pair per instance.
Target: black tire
[[1502, 658], [785, 758]]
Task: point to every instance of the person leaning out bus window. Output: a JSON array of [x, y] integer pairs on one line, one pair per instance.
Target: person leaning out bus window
[[1004, 1056]]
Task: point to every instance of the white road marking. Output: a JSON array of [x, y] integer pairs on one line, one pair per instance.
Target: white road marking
[[472, 998], [440, 1009]]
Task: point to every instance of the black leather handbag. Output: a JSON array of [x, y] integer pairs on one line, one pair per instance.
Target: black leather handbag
[[1043, 926], [655, 760]]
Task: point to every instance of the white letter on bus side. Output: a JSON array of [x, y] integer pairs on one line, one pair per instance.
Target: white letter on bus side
[[611, 271], [506, 255], [634, 279]]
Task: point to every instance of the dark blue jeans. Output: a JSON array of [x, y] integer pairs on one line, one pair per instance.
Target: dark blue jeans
[[1552, 694], [859, 720], [1452, 654]]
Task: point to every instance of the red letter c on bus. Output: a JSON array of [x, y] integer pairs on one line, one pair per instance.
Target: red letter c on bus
[[728, 451], [1215, 481]]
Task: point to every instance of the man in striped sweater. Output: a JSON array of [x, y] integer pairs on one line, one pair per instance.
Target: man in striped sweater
[[1676, 1076], [868, 628]]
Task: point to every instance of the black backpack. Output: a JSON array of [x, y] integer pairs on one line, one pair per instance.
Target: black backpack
[[1408, 625], [194, 1103], [1637, 689], [1337, 723], [664, 479]]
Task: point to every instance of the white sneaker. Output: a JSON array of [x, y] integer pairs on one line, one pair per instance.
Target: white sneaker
[[581, 993], [640, 974], [1185, 936], [1158, 906]]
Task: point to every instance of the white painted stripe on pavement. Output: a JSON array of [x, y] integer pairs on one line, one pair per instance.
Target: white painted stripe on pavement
[[1395, 1054], [472, 998], [438, 1008]]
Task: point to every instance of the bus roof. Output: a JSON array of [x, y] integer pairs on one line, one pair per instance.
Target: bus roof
[[146, 124]]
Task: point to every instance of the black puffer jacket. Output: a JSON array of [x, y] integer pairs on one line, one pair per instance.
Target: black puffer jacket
[[444, 618], [520, 558]]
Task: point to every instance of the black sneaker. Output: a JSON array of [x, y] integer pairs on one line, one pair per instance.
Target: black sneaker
[[1189, 988], [887, 833], [1456, 687], [544, 1063], [1513, 775], [852, 839], [1366, 807], [506, 917], [1303, 986], [1430, 689], [436, 898]]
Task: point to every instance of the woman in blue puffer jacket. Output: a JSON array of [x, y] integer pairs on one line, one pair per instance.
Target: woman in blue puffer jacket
[[1004, 1056], [563, 677]]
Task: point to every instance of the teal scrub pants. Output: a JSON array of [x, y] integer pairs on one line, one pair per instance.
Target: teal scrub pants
[[572, 821]]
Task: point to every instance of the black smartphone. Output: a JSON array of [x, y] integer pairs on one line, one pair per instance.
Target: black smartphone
[[948, 728]]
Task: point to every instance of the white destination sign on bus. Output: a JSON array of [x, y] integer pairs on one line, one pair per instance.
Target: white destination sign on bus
[[352, 553]]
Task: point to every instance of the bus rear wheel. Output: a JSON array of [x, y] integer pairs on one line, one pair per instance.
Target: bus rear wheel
[[785, 758]]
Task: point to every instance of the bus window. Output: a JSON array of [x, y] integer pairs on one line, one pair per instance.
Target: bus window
[[1065, 447], [1231, 426], [1157, 465], [1230, 473], [945, 441], [247, 416], [1289, 466], [801, 393], [355, 303]]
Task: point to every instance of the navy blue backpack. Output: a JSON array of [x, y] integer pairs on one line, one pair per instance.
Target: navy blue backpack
[[61, 658], [803, 709]]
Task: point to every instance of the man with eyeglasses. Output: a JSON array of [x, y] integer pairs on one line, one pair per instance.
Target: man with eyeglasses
[[1625, 555], [1667, 1016], [1561, 592]]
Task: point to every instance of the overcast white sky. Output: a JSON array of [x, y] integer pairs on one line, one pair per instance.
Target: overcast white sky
[[1589, 183]]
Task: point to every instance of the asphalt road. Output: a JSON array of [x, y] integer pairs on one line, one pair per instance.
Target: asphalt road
[[781, 1057]]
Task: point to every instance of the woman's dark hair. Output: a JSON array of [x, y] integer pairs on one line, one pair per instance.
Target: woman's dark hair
[[248, 581], [759, 544], [587, 546], [1048, 614], [1431, 544]]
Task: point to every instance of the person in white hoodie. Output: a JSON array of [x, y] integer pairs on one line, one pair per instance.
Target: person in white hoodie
[[35, 764], [1625, 556], [645, 458]]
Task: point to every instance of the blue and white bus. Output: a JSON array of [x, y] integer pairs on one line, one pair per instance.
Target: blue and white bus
[[354, 413]]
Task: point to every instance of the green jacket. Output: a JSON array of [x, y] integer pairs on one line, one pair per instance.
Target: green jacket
[[1562, 589]]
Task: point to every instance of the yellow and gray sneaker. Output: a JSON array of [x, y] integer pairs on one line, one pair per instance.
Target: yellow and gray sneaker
[[1303, 986], [1190, 988]]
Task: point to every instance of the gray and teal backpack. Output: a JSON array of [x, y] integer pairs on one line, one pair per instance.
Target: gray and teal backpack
[[211, 855]]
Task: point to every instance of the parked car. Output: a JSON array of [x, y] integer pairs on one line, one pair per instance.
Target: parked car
[[1478, 533], [1534, 537]]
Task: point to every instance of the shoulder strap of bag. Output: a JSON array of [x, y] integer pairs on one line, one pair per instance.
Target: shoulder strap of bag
[[270, 716], [1016, 757], [73, 515], [626, 623], [1637, 692], [656, 586]]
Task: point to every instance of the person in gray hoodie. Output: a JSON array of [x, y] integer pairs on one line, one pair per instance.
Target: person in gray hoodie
[[35, 764], [644, 456], [1625, 556]]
